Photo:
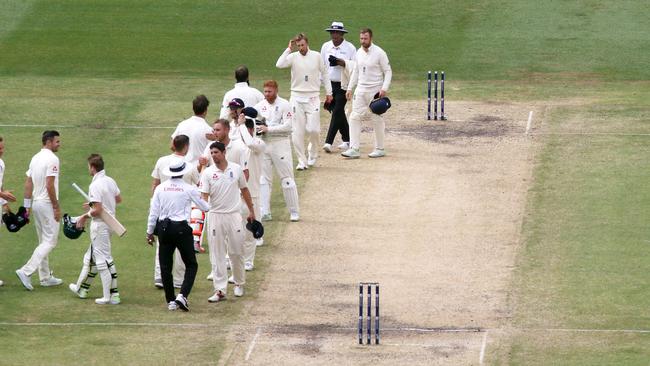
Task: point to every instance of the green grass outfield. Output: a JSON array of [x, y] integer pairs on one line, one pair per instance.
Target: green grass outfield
[[101, 64]]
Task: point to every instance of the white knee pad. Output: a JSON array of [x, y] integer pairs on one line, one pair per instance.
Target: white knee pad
[[290, 192]]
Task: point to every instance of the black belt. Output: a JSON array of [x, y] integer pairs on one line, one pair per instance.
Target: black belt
[[163, 225]]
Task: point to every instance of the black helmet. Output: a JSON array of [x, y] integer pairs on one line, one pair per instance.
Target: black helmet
[[69, 227], [379, 105], [11, 221], [256, 228]]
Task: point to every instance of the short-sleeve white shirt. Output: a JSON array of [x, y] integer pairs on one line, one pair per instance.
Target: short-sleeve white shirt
[[103, 189], [224, 187], [236, 152], [195, 128], [44, 164], [191, 177], [250, 96]]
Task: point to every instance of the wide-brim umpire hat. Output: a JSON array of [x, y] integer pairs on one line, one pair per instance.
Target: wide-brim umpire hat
[[336, 27], [177, 167]]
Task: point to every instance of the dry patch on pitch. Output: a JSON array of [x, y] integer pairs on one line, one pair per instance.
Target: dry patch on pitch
[[436, 223]]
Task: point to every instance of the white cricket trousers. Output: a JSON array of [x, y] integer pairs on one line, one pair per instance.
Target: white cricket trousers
[[98, 258], [226, 236], [47, 230], [306, 121], [249, 241], [278, 155], [361, 111]]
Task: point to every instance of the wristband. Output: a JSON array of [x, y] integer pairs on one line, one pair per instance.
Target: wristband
[[27, 202], [89, 215]]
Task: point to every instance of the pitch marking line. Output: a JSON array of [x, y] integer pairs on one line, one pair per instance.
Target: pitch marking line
[[483, 346], [530, 122], [252, 345]]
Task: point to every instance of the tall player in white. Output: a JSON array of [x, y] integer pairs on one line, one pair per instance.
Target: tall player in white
[[371, 75], [42, 197], [307, 71]]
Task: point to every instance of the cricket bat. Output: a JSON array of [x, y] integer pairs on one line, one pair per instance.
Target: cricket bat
[[109, 219]]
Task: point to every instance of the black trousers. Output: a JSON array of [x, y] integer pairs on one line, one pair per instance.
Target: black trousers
[[176, 235], [338, 123]]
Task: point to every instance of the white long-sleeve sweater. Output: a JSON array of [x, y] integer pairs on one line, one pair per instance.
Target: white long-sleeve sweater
[[306, 73], [372, 70]]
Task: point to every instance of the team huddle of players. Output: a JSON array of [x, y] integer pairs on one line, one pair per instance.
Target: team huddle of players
[[198, 189]]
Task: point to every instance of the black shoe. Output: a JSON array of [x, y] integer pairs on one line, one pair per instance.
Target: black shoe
[[182, 303]]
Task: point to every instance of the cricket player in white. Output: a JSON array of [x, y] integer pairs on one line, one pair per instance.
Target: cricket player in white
[[196, 128], [307, 72], [276, 112], [371, 75], [42, 197], [104, 196], [250, 96], [224, 184], [257, 146], [180, 145], [4, 195]]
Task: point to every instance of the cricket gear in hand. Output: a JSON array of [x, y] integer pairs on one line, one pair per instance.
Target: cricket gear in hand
[[70, 227], [329, 106], [11, 221], [256, 228], [380, 105], [333, 60]]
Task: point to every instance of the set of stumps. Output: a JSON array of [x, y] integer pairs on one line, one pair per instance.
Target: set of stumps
[[368, 286], [436, 116]]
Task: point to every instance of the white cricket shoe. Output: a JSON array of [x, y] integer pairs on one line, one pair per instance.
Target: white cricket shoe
[[103, 301], [301, 166], [239, 291], [172, 306], [377, 153], [182, 302], [294, 216], [52, 281], [210, 277], [344, 146], [248, 266], [267, 217], [351, 153], [327, 148], [158, 283], [218, 296], [25, 279], [81, 292], [259, 242], [311, 162], [1, 283], [231, 279]]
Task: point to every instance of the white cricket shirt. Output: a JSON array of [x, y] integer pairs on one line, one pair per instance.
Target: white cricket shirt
[[278, 117], [372, 70], [306, 73], [345, 51], [44, 164], [191, 177], [224, 187], [173, 199], [103, 189], [2, 174], [195, 128], [250, 97], [236, 152]]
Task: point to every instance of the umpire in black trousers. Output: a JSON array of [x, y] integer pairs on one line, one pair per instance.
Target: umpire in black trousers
[[168, 219], [339, 122]]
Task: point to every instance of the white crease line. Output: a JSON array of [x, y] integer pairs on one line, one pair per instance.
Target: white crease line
[[250, 348], [95, 127], [185, 325], [590, 134], [483, 346], [530, 122], [569, 330]]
